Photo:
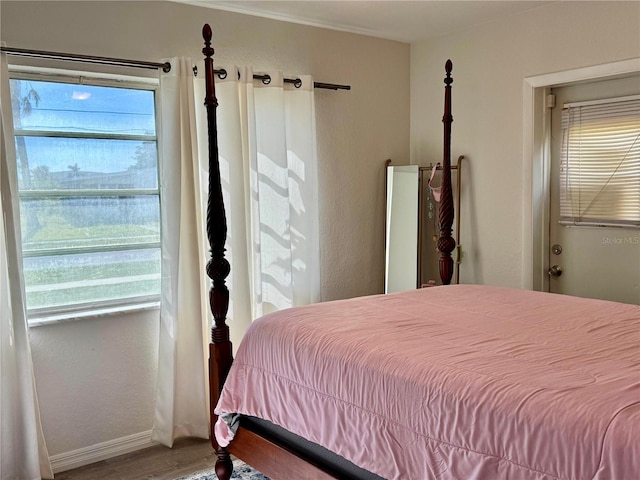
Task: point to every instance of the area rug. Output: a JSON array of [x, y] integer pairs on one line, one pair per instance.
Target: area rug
[[241, 471]]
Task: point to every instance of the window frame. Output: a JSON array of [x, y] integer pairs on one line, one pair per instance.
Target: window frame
[[54, 314]]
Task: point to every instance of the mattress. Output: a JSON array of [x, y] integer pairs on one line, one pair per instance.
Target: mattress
[[453, 382]]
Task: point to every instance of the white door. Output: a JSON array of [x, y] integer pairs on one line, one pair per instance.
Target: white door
[[588, 261]]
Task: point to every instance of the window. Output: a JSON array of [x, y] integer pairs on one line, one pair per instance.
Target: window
[[87, 168], [600, 163]]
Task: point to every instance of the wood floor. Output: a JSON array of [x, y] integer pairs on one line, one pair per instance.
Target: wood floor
[[154, 463]]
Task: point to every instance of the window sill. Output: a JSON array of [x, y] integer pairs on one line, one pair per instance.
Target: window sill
[[44, 319]]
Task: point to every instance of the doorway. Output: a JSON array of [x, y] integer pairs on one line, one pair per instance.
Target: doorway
[[536, 162], [588, 259]]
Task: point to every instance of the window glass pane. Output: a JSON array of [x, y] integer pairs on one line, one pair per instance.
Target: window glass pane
[[48, 163], [87, 165], [77, 222], [67, 107], [91, 277]]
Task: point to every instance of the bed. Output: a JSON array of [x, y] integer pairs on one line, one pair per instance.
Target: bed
[[448, 382]]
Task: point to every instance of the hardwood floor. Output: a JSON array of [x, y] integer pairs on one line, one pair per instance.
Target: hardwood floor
[[154, 463]]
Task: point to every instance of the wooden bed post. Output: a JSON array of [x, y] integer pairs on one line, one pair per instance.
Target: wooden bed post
[[446, 243], [218, 268]]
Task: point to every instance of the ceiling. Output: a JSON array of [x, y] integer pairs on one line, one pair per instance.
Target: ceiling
[[404, 21]]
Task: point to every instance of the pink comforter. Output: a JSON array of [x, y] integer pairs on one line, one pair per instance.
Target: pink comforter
[[458, 382]]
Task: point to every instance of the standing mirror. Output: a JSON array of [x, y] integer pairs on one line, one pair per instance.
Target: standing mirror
[[412, 228], [401, 266]]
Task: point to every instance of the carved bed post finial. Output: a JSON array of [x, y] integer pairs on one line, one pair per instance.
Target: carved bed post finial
[[218, 268], [446, 243]]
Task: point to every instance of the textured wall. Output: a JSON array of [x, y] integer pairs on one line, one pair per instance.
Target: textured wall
[[96, 378], [357, 131]]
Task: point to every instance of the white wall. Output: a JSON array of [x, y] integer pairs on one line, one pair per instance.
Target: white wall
[[490, 63], [96, 377]]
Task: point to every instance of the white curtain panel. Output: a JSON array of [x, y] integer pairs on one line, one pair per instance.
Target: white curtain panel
[[268, 165], [267, 143], [302, 169], [23, 452], [181, 402]]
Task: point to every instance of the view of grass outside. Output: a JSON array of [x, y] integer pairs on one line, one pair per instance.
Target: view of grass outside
[[87, 278], [89, 197], [57, 231]]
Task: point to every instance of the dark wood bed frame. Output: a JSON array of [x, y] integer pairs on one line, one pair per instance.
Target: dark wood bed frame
[[257, 450]]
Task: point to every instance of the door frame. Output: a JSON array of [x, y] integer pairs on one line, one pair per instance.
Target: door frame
[[537, 160]]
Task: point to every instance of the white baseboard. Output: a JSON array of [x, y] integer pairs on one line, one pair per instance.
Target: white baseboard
[[101, 451]]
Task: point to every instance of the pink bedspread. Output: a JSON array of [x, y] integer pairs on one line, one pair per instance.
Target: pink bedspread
[[459, 382]]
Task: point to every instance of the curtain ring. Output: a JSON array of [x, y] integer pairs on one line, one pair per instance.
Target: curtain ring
[[297, 83], [195, 70], [266, 80], [222, 74]]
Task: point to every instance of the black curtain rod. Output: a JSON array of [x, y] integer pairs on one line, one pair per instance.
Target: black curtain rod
[[266, 79], [166, 67]]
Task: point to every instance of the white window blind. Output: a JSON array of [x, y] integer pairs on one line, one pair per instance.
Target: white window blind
[[600, 163]]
